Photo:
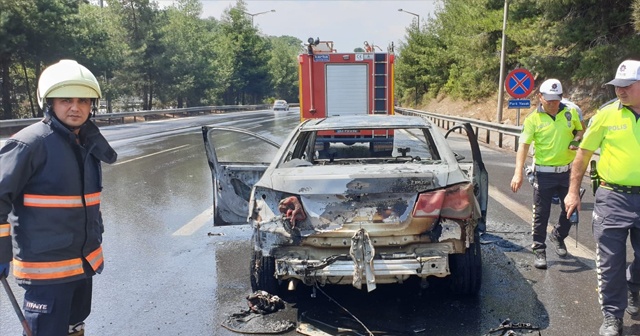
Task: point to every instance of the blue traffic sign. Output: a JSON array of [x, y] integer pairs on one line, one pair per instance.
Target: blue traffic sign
[[519, 83], [519, 103]]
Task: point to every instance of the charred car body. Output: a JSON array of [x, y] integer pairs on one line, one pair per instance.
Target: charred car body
[[343, 210]]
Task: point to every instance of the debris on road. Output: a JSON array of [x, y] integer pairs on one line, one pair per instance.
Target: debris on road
[[508, 328], [260, 317]]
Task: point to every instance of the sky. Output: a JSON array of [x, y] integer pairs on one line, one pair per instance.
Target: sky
[[348, 23]]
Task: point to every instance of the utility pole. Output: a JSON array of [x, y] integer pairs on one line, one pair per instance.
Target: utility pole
[[502, 56]]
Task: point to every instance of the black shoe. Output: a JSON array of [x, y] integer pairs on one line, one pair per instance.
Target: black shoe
[[540, 259], [555, 199], [561, 248], [632, 303], [612, 326]]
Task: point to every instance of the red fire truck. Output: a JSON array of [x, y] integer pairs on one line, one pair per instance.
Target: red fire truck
[[355, 83]]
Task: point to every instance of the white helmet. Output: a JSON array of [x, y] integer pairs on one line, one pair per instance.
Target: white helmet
[[67, 79], [551, 89]]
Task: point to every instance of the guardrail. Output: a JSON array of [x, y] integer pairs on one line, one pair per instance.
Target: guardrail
[[446, 122], [8, 127], [443, 121]]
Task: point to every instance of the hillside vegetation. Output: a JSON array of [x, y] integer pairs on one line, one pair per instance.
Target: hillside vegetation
[[456, 52], [149, 57], [144, 56]]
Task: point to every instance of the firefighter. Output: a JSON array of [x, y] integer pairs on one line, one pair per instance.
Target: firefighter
[[551, 128], [50, 188], [615, 130]]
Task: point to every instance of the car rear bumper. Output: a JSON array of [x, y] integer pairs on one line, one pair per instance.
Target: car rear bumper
[[357, 273]]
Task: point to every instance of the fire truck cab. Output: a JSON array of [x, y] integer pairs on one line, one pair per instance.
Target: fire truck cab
[[340, 84]]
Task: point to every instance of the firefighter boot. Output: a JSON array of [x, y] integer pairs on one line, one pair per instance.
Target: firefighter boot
[[76, 329], [611, 326], [540, 259], [633, 303], [558, 244]]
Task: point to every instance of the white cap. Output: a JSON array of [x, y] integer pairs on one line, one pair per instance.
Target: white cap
[[551, 89], [628, 73]]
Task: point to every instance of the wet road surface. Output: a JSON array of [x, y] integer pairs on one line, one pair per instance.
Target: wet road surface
[[168, 271]]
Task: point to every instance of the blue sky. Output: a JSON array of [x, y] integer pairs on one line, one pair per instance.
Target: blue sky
[[346, 22]]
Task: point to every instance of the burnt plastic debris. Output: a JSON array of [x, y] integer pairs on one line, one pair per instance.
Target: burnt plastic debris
[[262, 302], [507, 328]]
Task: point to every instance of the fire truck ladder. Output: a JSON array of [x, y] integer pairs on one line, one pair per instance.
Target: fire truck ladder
[[380, 78]]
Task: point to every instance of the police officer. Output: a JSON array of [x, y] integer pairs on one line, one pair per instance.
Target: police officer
[[615, 130], [50, 188], [551, 128], [557, 87]]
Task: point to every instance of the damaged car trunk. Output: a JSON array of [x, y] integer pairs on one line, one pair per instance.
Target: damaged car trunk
[[358, 200]]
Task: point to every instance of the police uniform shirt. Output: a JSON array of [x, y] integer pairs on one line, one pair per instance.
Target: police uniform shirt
[[551, 136], [615, 130]]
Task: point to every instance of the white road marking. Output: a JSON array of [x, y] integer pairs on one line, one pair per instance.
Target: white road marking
[[196, 223], [148, 155], [525, 213]]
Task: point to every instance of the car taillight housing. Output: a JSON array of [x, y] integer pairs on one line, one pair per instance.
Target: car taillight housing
[[455, 202]]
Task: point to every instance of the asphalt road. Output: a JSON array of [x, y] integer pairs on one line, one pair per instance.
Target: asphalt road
[[168, 271]]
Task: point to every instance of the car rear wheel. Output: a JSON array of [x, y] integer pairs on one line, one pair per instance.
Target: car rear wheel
[[466, 269], [262, 273]]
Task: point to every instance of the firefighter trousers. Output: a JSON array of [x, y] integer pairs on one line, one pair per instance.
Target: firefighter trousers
[[51, 309]]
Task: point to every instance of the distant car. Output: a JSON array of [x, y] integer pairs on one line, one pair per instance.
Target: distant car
[[350, 209], [280, 105]]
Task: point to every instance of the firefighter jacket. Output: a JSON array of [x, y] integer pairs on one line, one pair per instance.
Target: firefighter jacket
[[50, 185]]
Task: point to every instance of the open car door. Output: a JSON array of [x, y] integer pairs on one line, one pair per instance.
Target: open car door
[[474, 166], [237, 159]]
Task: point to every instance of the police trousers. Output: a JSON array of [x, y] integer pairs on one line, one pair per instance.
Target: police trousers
[[548, 185], [51, 309], [616, 216]]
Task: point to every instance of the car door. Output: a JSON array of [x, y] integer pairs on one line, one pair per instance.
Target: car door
[[475, 168], [237, 159]]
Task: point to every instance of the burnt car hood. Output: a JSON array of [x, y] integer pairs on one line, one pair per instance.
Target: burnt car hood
[[358, 179]]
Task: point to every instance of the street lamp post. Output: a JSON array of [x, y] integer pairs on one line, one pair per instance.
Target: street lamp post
[[256, 14], [414, 14]]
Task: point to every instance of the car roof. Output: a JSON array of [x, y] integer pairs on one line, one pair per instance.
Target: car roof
[[280, 101], [365, 121]]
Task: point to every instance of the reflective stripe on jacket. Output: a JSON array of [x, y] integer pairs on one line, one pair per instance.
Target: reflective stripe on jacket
[[50, 189]]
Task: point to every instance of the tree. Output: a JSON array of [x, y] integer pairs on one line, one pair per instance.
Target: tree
[[283, 67], [250, 78]]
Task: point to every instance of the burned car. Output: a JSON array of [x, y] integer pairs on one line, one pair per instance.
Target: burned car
[[360, 200]]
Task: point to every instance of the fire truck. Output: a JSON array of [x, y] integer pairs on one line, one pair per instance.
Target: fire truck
[[354, 83]]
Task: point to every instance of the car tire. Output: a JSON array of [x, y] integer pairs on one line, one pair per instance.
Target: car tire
[[262, 273], [466, 269]]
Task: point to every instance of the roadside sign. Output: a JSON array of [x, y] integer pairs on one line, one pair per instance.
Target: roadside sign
[[519, 83], [519, 103]]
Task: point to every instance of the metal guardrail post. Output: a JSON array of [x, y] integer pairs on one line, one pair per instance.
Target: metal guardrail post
[[444, 121]]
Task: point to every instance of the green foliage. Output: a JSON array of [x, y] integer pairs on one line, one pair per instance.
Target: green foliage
[[156, 57], [283, 65], [580, 42]]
